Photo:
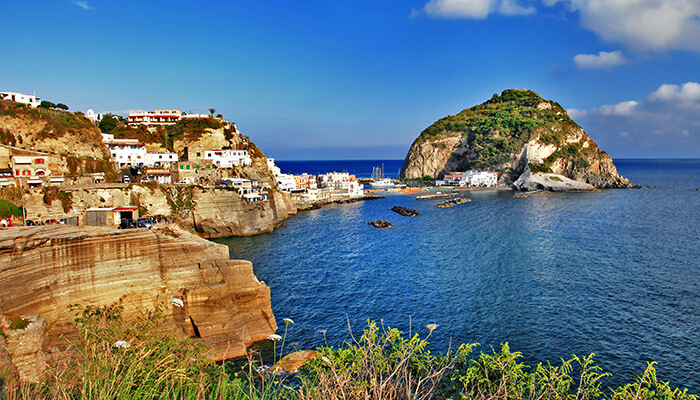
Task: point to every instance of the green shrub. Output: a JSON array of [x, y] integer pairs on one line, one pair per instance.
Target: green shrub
[[8, 209]]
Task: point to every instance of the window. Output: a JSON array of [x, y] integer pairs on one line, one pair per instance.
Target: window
[[182, 167], [38, 161], [208, 166], [188, 166], [199, 154]]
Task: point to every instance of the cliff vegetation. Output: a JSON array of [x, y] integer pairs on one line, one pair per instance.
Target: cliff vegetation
[[137, 359]]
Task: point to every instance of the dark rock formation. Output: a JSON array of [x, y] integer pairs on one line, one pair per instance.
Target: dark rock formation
[[381, 224], [405, 211]]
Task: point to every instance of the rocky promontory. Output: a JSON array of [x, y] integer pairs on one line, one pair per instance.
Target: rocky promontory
[[46, 269], [513, 133]]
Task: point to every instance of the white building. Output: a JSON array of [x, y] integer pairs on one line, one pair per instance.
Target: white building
[[93, 116], [228, 158], [342, 182], [126, 152], [154, 118], [285, 182], [161, 159], [30, 100], [479, 179]]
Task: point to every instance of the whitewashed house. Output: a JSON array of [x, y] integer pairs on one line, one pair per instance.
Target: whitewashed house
[[154, 118], [126, 152], [228, 158], [479, 179], [285, 182], [28, 99], [160, 159], [93, 116]]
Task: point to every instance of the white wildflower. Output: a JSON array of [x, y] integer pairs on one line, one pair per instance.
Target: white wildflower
[[275, 337], [288, 321], [121, 344]]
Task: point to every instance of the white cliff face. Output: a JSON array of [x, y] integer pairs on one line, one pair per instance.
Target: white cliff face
[[536, 152]]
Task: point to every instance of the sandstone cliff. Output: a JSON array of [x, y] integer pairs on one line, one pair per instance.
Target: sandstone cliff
[[212, 212], [511, 133], [45, 269]]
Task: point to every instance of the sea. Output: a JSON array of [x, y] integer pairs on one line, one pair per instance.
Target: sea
[[614, 272]]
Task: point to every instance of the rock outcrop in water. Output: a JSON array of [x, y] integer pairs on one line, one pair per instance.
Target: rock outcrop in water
[[513, 133], [45, 269], [404, 211]]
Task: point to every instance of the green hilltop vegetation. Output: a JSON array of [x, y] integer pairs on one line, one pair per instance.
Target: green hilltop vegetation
[[58, 123], [497, 129], [189, 129]]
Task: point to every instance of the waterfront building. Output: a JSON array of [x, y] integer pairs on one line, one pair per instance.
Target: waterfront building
[[305, 182], [28, 99], [479, 179], [342, 182], [285, 182], [228, 158]]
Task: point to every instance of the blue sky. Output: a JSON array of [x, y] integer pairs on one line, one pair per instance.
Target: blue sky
[[361, 79]]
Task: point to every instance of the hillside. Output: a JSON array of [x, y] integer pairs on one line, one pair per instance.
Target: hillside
[[512, 133], [71, 136]]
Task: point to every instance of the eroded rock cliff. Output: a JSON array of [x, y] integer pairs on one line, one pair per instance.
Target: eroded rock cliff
[[45, 269], [508, 134]]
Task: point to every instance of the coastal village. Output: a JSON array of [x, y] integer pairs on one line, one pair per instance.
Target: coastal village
[[205, 163]]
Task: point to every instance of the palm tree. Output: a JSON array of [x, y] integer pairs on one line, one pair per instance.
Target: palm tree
[[212, 111]]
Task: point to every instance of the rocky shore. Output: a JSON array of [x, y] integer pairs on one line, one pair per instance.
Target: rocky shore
[[45, 269]]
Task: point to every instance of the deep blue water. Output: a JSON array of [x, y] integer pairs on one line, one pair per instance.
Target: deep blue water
[[359, 168], [613, 272]]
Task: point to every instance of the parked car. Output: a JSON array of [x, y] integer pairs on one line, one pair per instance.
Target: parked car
[[145, 222], [50, 222], [126, 179], [29, 222], [5, 222], [127, 224]]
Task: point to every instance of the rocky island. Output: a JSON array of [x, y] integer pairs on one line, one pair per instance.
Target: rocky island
[[519, 135]]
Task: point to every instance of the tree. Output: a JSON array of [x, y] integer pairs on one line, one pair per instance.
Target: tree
[[108, 123], [212, 111], [61, 106], [46, 104]]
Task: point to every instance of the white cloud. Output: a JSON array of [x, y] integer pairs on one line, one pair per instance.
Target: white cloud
[[623, 109], [82, 4], [476, 9], [642, 25], [665, 123], [688, 93], [575, 113], [604, 59], [509, 7]]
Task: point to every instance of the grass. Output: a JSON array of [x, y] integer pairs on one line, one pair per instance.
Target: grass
[[138, 359]]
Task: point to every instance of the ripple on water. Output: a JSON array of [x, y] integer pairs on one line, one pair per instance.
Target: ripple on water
[[612, 272]]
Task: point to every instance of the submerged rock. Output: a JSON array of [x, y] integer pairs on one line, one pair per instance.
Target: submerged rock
[[381, 224], [405, 211]]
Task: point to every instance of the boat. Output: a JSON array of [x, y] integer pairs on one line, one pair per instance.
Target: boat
[[379, 181]]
